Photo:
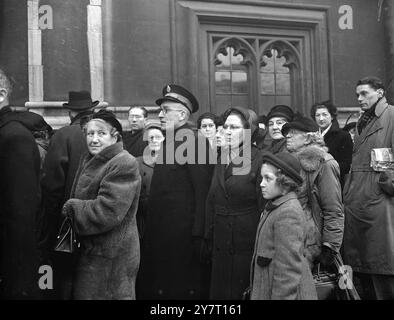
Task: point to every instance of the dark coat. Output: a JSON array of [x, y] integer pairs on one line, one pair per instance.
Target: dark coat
[[279, 270], [234, 207], [146, 172], [65, 150], [104, 201], [170, 261], [369, 205], [340, 145], [19, 206], [276, 146], [133, 142]]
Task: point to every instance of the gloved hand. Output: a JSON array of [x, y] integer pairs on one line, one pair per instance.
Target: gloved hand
[[326, 257]]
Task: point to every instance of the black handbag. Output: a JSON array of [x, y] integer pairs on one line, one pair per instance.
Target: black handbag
[[326, 284], [335, 285], [66, 240]]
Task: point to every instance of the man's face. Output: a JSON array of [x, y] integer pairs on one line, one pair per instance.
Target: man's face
[[275, 125], [367, 96], [295, 140], [171, 115], [136, 119]]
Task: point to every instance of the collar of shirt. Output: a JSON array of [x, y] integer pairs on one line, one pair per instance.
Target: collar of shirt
[[325, 131]]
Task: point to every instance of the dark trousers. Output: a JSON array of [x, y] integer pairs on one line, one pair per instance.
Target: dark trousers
[[375, 286]]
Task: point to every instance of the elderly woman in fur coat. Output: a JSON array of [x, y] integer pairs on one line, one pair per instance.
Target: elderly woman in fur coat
[[279, 269], [103, 207], [320, 194]]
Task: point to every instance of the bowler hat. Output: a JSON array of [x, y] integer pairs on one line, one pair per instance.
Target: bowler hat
[[287, 163], [80, 101], [176, 93], [301, 123]]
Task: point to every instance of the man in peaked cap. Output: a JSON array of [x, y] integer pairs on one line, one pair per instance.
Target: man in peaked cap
[[67, 146], [171, 252]]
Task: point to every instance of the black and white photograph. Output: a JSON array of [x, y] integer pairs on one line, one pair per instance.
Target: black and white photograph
[[196, 154]]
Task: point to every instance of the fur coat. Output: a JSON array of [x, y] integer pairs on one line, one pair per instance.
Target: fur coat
[[104, 201]]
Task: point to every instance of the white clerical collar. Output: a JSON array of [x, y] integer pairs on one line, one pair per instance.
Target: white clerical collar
[[326, 130]]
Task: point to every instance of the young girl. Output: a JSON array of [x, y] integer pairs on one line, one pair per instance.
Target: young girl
[[279, 269]]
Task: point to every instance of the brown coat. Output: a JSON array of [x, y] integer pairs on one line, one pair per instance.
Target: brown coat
[[104, 202], [279, 270], [369, 205]]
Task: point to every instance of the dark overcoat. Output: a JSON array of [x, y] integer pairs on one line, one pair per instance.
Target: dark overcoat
[[64, 152], [340, 146], [104, 201], [234, 205], [170, 261], [369, 205], [134, 142], [279, 270], [19, 206]]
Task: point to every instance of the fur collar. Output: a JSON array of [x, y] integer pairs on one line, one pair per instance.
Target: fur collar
[[312, 157]]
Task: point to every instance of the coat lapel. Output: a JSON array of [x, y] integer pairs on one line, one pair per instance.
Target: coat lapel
[[371, 128]]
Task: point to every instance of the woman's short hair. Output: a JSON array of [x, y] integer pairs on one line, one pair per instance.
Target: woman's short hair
[[207, 115], [285, 182], [331, 108]]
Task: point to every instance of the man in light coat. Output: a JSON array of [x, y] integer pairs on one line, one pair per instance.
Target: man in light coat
[[369, 196]]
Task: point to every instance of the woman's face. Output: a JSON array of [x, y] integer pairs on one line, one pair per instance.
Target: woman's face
[[220, 142], [269, 188], [98, 136], [208, 128], [234, 132], [275, 125], [323, 118], [155, 138]]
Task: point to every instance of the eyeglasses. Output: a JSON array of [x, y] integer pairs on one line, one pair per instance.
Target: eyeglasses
[[136, 116], [293, 133], [231, 127], [166, 110]]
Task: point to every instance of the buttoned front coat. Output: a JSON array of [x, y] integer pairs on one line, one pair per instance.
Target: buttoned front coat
[[369, 205], [170, 261], [104, 201], [233, 207], [279, 270]]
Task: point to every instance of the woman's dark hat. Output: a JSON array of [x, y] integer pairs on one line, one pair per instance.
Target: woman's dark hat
[[287, 163], [175, 93], [282, 111], [80, 101], [110, 118], [243, 112]]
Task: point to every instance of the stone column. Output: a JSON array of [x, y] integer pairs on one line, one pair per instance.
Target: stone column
[[388, 12]]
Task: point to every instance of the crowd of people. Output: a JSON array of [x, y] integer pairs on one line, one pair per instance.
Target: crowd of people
[[235, 205]]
